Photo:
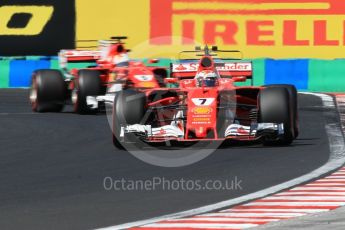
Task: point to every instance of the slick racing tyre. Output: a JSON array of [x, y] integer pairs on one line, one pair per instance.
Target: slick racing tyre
[[294, 100], [48, 91], [275, 107], [128, 109], [88, 83]]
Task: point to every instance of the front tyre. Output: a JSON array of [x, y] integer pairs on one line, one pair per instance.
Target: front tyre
[[88, 83], [275, 107], [294, 103], [129, 108]]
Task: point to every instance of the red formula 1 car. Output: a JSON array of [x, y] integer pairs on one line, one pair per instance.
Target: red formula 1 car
[[87, 88], [207, 106]]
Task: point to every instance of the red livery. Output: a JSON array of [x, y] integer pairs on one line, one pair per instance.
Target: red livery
[[87, 88], [207, 106]]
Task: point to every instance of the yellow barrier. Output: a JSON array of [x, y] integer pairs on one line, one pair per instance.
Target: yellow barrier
[[278, 29]]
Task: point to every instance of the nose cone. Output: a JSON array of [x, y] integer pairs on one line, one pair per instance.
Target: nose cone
[[200, 132]]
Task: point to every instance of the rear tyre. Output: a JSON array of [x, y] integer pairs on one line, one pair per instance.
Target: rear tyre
[[88, 83], [48, 91], [275, 107], [294, 101], [129, 108]]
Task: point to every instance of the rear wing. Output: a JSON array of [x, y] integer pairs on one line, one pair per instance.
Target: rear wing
[[86, 52], [77, 56], [225, 69]]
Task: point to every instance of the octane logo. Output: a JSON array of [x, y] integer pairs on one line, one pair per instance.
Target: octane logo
[[305, 23], [33, 20]]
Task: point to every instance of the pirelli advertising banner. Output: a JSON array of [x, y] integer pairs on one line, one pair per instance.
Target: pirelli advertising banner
[[259, 28]]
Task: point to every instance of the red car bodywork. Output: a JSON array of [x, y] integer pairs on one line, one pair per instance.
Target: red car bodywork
[[203, 104], [110, 72]]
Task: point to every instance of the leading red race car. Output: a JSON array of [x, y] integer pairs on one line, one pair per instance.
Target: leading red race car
[[207, 106], [87, 88]]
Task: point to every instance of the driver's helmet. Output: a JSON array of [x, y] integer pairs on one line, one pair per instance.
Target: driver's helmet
[[206, 78], [121, 60]]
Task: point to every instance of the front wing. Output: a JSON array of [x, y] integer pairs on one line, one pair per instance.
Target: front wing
[[173, 132]]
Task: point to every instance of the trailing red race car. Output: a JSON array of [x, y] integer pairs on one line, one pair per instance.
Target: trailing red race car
[[87, 88], [207, 106]]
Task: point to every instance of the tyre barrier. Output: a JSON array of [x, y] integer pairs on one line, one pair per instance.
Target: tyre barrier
[[314, 75]]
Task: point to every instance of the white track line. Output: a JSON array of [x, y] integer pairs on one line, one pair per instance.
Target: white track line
[[316, 188], [325, 198], [301, 210], [336, 160], [297, 204], [201, 226], [218, 219], [311, 193], [249, 215]]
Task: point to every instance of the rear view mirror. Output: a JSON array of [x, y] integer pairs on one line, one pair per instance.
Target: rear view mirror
[[239, 79], [153, 61], [170, 80]]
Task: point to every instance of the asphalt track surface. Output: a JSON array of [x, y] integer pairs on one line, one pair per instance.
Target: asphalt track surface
[[52, 168]]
